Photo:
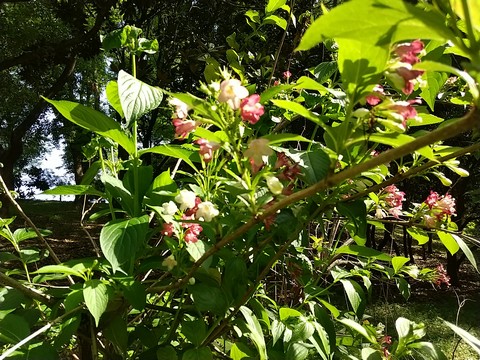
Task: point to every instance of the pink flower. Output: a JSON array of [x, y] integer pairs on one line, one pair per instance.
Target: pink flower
[[287, 74], [206, 149], [447, 205], [232, 92], [408, 51], [376, 96], [408, 76], [181, 109], [441, 276], [189, 214], [394, 199], [257, 149], [431, 199], [430, 221], [184, 127], [168, 229], [192, 232], [251, 109]]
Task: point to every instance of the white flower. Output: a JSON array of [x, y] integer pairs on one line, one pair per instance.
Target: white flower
[[231, 92], [169, 262], [169, 208], [206, 211], [274, 185], [186, 199], [181, 109]]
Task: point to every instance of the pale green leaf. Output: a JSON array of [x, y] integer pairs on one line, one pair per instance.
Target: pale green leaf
[[95, 293], [113, 97], [449, 241]]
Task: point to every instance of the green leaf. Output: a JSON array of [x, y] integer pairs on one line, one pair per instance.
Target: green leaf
[[356, 212], [241, 351], [466, 250], [303, 330], [95, 121], [325, 70], [116, 333], [174, 151], [114, 98], [120, 240], [195, 331], [10, 299], [378, 22], [167, 353], [359, 329], [68, 328], [286, 313], [203, 353], [117, 190], [315, 164], [134, 292], [255, 334], [22, 234], [473, 7], [284, 137], [115, 39], [253, 15], [449, 241], [273, 5], [74, 190], [307, 83], [398, 262], [418, 234], [278, 329], [355, 295], [363, 251], [466, 336], [13, 328], [371, 354], [428, 350], [136, 97], [361, 66], [396, 140], [424, 119], [96, 295], [59, 269], [403, 286], [276, 20], [296, 351], [209, 298]]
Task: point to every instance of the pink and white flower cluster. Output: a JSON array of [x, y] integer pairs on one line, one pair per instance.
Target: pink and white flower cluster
[[394, 199], [439, 208], [236, 96], [193, 208]]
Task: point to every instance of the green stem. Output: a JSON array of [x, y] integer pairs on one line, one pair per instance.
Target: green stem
[[136, 160]]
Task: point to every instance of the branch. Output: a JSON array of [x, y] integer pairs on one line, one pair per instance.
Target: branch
[[468, 122], [33, 294]]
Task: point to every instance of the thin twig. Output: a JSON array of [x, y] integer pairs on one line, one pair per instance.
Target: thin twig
[[31, 293]]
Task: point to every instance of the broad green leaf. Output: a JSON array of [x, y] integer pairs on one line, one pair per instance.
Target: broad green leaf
[[359, 329], [403, 286], [195, 331], [418, 234], [325, 70], [113, 97], [473, 7], [241, 351], [273, 5], [134, 292], [116, 333], [68, 328], [209, 298], [11, 298], [13, 328], [235, 278], [428, 350], [95, 121], [397, 140], [303, 330], [287, 313], [355, 295], [309, 84], [363, 251], [203, 353], [371, 354], [297, 109], [377, 22], [136, 97], [398, 262], [296, 351], [424, 119], [174, 151], [404, 328], [167, 353], [278, 329], [466, 336], [96, 295], [74, 190], [356, 212], [199, 105], [434, 81], [361, 66], [120, 241], [449, 241], [117, 190], [256, 334], [315, 164], [22, 234], [466, 250], [253, 15], [115, 39], [276, 20], [272, 91]]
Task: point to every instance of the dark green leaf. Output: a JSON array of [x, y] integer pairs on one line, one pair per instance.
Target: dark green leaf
[[203, 353], [13, 328], [195, 331]]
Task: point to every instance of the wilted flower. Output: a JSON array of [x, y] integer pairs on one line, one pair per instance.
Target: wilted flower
[[181, 109], [274, 185], [186, 199], [206, 211], [184, 127], [251, 109], [169, 208], [257, 149], [232, 92], [169, 262], [206, 149]]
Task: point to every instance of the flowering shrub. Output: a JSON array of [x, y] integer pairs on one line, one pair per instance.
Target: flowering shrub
[[192, 250]]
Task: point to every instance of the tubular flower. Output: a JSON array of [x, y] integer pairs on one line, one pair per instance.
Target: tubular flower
[[251, 109], [287, 75], [376, 96], [181, 109], [169, 208], [206, 149], [397, 113], [184, 127], [394, 199], [408, 52], [232, 92], [206, 211], [168, 229], [192, 232], [257, 149], [186, 199], [438, 208]]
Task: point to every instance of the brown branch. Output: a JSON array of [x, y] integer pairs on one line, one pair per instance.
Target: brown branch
[[469, 121], [30, 293]]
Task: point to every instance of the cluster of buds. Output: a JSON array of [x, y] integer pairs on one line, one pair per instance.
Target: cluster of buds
[[439, 208], [191, 208], [401, 71], [441, 276], [392, 199]]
